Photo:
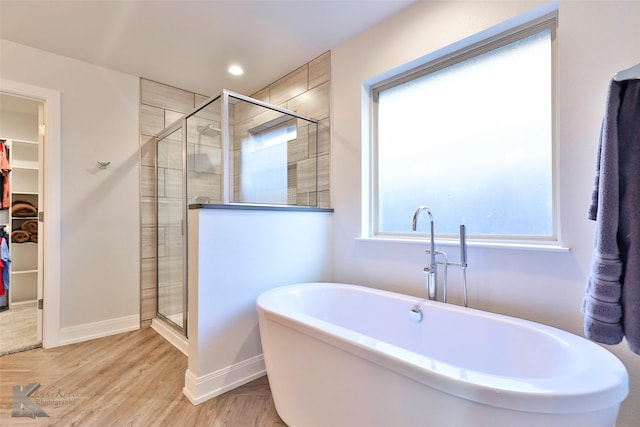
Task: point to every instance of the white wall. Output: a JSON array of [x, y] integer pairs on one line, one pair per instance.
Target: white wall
[[234, 256], [19, 125], [595, 39], [100, 208]]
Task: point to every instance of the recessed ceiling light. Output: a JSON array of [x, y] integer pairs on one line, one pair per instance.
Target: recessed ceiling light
[[236, 70]]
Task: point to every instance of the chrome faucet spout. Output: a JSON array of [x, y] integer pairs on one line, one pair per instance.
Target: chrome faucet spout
[[432, 269], [432, 249]]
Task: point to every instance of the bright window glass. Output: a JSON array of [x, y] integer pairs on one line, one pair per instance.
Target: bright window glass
[[264, 164], [472, 141]]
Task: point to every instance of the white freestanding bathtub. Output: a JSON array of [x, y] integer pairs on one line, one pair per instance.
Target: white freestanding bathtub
[[343, 355]]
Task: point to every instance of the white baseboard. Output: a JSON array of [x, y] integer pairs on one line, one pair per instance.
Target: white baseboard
[[168, 333], [90, 331], [201, 389]]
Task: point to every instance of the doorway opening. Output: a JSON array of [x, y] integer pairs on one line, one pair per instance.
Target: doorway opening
[[21, 185]]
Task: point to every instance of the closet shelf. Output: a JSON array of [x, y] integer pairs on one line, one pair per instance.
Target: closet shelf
[[11, 141], [24, 272], [24, 164], [24, 157]]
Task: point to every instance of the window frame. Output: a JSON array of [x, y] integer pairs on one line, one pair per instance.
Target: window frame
[[261, 139], [468, 48]]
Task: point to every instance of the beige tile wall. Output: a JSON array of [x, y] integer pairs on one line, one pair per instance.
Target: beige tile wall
[[274, 174], [160, 106], [204, 154], [305, 90]]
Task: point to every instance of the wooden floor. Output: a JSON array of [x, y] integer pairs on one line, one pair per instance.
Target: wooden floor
[[132, 379], [18, 328]]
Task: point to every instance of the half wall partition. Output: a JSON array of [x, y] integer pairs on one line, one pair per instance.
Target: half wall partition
[[230, 150]]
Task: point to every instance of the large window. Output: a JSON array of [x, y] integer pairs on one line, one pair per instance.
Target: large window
[[470, 136]]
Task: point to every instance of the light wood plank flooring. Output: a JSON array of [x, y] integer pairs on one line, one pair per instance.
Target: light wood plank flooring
[[18, 328], [131, 379]]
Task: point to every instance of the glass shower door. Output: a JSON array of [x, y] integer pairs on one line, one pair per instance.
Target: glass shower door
[[170, 228]]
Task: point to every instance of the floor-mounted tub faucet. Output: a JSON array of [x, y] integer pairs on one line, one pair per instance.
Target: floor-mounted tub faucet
[[432, 269]]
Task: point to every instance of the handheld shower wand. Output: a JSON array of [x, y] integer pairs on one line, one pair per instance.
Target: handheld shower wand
[[463, 260]]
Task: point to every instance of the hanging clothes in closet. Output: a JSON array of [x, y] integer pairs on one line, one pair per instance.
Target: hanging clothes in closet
[[5, 168], [611, 305], [5, 262]]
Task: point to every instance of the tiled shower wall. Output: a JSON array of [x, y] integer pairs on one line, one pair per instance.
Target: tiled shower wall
[[305, 90], [160, 106]]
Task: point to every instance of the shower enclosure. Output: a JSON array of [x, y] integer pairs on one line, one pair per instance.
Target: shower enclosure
[[231, 150]]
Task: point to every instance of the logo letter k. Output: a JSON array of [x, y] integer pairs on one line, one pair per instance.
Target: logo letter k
[[22, 405]]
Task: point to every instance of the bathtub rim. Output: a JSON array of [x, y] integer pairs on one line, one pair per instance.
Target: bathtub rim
[[528, 395]]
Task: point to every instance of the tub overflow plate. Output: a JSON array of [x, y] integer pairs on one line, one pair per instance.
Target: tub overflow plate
[[415, 314]]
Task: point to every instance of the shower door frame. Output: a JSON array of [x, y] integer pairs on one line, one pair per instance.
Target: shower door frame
[[179, 124], [226, 182]]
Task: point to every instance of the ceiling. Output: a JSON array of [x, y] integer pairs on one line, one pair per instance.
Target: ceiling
[[190, 44]]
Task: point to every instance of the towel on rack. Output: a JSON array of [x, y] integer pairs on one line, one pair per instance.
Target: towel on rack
[[601, 305], [612, 302]]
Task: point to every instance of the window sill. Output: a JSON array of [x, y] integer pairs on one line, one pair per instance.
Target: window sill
[[526, 246]]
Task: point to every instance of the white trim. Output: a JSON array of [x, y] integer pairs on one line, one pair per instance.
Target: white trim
[[170, 334], [51, 204], [201, 389], [103, 328], [542, 247]]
